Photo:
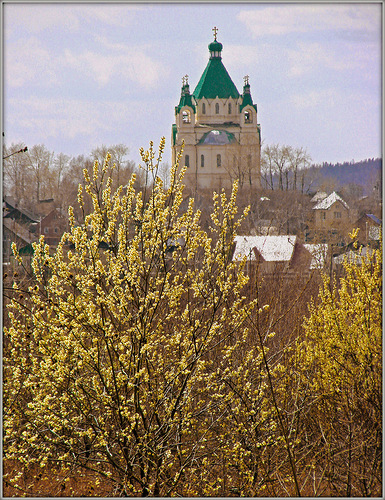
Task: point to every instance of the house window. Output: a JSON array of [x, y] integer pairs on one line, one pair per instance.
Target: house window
[[187, 160], [229, 108], [337, 215], [202, 160], [248, 117], [217, 109], [46, 230], [186, 117], [323, 215], [219, 160], [203, 108], [56, 230]]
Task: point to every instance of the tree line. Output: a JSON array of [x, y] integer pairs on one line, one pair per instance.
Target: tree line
[[34, 174]]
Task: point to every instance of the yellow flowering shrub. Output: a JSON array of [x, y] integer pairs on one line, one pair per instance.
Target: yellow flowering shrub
[[340, 365], [129, 355]]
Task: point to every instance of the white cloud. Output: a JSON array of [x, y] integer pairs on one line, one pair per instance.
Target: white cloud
[[68, 119], [35, 18], [344, 106], [239, 55], [28, 61], [120, 61], [120, 15], [316, 99], [307, 57], [284, 19], [75, 126]]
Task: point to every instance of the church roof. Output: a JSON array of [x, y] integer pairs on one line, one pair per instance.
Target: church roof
[[218, 137], [185, 98], [246, 96], [215, 80]]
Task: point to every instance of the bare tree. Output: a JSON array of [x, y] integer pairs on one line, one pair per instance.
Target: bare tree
[[276, 160], [119, 158], [299, 160], [15, 171], [283, 162], [40, 160], [60, 165]]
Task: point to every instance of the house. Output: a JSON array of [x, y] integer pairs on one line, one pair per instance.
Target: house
[[270, 254], [276, 254], [218, 128], [331, 219], [353, 256], [11, 210], [264, 227], [370, 228], [319, 196], [52, 226], [319, 254], [18, 227], [18, 233]]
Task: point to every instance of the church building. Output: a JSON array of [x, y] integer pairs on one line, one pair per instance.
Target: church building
[[219, 129]]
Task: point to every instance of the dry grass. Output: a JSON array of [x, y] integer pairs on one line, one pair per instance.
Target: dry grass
[[50, 482]]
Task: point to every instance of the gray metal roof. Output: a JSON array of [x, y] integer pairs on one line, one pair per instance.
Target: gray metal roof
[[218, 137]]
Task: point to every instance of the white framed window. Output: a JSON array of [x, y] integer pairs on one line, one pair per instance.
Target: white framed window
[[186, 117], [248, 117], [217, 109], [202, 160], [219, 160]]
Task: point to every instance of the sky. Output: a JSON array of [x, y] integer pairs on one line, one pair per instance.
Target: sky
[[81, 75]]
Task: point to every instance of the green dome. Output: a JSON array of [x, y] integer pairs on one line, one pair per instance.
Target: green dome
[[215, 46]]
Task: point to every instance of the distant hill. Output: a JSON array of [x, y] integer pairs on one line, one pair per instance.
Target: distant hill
[[365, 173]]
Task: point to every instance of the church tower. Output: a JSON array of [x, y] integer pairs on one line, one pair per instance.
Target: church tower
[[219, 129]]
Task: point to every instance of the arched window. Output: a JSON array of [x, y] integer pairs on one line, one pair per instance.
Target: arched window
[[248, 117], [202, 160], [187, 160], [229, 108], [217, 109], [219, 160], [203, 108], [186, 117]]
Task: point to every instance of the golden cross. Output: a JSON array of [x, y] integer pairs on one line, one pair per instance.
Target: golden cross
[[246, 79], [215, 30], [186, 79]]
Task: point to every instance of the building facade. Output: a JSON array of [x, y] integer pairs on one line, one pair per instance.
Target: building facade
[[332, 221], [218, 129]]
